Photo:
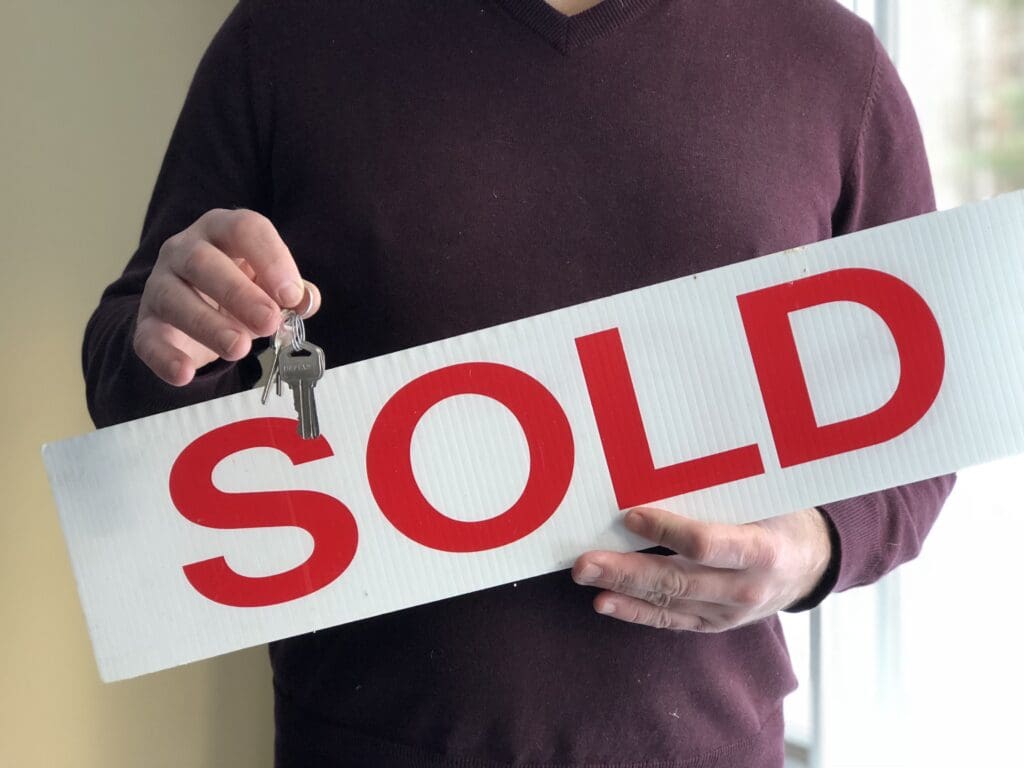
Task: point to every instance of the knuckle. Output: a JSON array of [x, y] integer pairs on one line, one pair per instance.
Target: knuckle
[[215, 217], [171, 246], [621, 580], [246, 225], [214, 213], [161, 299], [768, 556], [675, 584], [658, 599], [699, 546], [234, 225], [660, 531], [196, 262], [204, 327], [761, 552], [751, 595], [663, 620], [232, 295]]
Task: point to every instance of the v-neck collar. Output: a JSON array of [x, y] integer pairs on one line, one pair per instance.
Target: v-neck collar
[[569, 32]]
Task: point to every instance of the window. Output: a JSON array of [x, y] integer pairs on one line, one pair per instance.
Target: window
[[925, 669]]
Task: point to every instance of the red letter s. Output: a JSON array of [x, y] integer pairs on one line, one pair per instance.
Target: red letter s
[[326, 519]]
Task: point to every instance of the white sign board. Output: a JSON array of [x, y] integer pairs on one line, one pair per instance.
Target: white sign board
[[784, 382]]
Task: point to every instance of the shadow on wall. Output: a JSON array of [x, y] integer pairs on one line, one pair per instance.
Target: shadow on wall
[[216, 713], [240, 741]]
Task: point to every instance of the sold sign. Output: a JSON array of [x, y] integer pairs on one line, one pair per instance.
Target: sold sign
[[784, 382]]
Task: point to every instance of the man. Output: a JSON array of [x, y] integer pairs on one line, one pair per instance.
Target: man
[[436, 168]]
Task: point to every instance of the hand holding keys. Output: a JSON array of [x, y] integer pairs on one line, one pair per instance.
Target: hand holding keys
[[299, 364]]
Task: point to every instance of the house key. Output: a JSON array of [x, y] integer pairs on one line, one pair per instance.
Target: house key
[[301, 365]]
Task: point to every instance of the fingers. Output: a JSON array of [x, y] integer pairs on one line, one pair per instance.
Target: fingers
[[251, 236], [724, 576], [168, 352], [658, 580], [176, 303], [216, 286], [208, 269], [691, 617], [666, 593], [714, 583], [715, 545]]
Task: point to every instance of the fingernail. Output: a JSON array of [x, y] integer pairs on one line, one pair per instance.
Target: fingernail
[[590, 572], [290, 294], [606, 608], [227, 340]]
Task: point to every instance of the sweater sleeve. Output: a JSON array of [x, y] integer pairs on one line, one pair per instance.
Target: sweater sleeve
[[215, 159], [888, 179]]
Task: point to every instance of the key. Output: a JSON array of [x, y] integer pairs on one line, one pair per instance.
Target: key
[[290, 329], [274, 375], [301, 370]]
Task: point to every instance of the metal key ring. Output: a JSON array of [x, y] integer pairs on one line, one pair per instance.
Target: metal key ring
[[298, 329]]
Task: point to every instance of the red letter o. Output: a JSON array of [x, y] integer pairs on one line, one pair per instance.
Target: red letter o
[[389, 462]]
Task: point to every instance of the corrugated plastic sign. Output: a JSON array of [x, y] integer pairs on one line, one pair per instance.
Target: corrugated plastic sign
[[780, 383]]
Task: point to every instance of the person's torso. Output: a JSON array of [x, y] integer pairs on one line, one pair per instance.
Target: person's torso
[[443, 167]]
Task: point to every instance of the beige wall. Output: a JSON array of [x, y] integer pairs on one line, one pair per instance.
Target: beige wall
[[89, 90]]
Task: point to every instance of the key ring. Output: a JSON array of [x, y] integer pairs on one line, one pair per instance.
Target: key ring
[[295, 325], [300, 373], [296, 328]]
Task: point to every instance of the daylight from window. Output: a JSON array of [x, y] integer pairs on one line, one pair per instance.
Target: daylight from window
[[924, 669]]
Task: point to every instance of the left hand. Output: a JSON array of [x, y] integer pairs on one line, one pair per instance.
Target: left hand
[[722, 577]]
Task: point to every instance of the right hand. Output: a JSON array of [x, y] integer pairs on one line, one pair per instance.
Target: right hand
[[214, 288]]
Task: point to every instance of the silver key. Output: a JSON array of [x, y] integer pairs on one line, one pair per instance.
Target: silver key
[[301, 370], [290, 332], [274, 376]]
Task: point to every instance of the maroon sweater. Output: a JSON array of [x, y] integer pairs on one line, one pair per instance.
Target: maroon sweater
[[441, 167]]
